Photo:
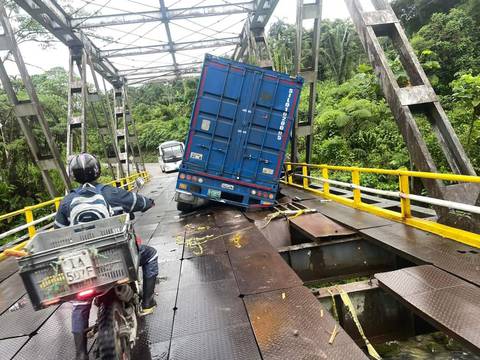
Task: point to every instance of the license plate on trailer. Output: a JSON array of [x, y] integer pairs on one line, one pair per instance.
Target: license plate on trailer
[[214, 194], [77, 267]]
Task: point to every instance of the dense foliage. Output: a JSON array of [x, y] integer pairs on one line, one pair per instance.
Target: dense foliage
[[353, 124]]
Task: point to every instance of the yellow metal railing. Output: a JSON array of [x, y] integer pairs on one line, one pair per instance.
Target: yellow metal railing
[[292, 170], [31, 223]]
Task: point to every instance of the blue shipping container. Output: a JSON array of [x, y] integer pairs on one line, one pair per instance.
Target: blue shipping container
[[239, 131]]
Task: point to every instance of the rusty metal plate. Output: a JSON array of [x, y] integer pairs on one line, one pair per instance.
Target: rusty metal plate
[[347, 216], [232, 343], [54, 339], [277, 232], [10, 347], [7, 268], [317, 226], [204, 269], [446, 301], [257, 265], [169, 233], [228, 216], [424, 248], [203, 237], [168, 252], [24, 321], [208, 306], [11, 290], [292, 324]]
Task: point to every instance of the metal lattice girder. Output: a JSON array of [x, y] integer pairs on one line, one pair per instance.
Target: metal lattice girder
[[133, 79], [29, 113], [51, 16], [77, 103], [255, 26], [158, 69], [171, 49], [134, 143], [163, 16], [305, 12], [104, 130], [418, 96], [181, 46], [121, 126]]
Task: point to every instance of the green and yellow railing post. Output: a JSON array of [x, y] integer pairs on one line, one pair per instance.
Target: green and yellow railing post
[[29, 219], [306, 181], [405, 190], [357, 196], [57, 202], [326, 186]]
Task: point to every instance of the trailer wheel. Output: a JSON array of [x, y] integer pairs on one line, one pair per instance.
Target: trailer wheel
[[184, 207]]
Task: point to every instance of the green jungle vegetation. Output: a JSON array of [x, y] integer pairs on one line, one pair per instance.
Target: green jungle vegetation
[[353, 124]]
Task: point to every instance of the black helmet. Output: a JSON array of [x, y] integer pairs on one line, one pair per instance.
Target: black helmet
[[84, 167]]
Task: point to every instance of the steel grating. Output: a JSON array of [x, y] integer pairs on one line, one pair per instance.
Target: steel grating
[[292, 324], [425, 248], [9, 347], [11, 290], [8, 267], [208, 306], [347, 216], [257, 265], [446, 301], [156, 351], [24, 321], [317, 226], [232, 343]]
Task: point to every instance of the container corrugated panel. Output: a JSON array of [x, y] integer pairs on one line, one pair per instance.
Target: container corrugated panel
[[239, 130]]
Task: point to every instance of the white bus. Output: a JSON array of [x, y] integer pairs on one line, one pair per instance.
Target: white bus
[[170, 155]]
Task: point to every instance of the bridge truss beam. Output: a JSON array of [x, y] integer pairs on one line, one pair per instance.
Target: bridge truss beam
[[165, 15]]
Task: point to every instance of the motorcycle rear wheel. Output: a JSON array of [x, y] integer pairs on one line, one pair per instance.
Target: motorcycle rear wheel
[[111, 345]]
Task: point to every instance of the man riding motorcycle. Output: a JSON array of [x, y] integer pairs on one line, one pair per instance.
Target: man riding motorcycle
[[93, 201]]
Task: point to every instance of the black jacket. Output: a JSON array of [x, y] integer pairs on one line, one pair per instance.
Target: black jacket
[[120, 201]]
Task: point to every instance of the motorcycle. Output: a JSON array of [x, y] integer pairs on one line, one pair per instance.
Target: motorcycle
[[96, 261]]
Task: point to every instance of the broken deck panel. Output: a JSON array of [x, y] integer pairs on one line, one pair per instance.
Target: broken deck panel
[[317, 226], [207, 261], [446, 301]]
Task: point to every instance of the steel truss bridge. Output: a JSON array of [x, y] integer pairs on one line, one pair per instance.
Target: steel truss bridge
[[356, 230]]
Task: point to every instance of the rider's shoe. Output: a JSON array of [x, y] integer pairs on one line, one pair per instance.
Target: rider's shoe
[[80, 346], [148, 301]]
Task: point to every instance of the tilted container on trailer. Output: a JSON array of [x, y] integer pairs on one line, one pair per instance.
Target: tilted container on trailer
[[239, 131]]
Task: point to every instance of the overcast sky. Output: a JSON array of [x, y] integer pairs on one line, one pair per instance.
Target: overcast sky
[[58, 56]]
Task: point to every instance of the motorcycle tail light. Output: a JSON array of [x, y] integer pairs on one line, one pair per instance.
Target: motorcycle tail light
[[83, 295]]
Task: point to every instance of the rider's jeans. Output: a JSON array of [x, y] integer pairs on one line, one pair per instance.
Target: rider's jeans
[[81, 309]]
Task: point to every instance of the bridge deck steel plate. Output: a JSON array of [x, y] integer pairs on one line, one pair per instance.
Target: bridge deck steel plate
[[54, 339], [292, 324], [8, 267], [352, 218], [9, 347], [209, 306], [11, 290], [205, 269], [24, 321], [444, 300], [422, 248], [257, 265], [317, 226], [233, 343]]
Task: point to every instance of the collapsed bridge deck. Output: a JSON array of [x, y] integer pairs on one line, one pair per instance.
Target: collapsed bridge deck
[[224, 291]]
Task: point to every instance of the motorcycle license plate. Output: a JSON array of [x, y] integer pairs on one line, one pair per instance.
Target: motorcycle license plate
[[77, 267]]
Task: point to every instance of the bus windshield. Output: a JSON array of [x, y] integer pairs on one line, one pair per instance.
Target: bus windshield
[[172, 153]]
